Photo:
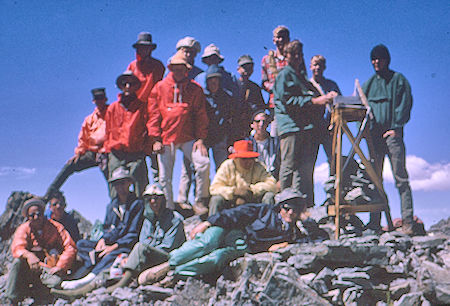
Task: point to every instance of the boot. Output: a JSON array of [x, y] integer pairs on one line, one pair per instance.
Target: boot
[[154, 274], [75, 293], [200, 208], [124, 281]]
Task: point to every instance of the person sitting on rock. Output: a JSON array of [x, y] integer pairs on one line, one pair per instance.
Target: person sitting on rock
[[231, 233], [122, 224], [42, 250], [162, 232], [241, 179], [56, 211]]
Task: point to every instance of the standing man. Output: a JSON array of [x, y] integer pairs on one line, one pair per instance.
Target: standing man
[[178, 120], [190, 47], [149, 71], [298, 113], [89, 152], [271, 65], [323, 86], [389, 96], [126, 134]]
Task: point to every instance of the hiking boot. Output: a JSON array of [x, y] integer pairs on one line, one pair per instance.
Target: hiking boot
[[154, 274], [124, 281], [76, 293], [200, 208]]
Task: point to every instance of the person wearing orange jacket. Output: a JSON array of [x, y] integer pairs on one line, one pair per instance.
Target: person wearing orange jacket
[[43, 251], [149, 71], [126, 134], [178, 120], [89, 152]]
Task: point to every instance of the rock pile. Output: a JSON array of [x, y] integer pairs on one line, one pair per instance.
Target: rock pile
[[391, 269]]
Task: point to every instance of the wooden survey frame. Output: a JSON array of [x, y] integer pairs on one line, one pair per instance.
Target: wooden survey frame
[[340, 117]]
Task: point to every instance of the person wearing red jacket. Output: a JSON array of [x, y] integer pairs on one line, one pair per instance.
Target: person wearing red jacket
[[43, 251], [89, 152], [126, 134], [178, 120], [149, 71]]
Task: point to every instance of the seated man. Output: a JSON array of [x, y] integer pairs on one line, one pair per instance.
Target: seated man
[[162, 231], [231, 233], [267, 146], [56, 211], [241, 179], [122, 224], [33, 241]]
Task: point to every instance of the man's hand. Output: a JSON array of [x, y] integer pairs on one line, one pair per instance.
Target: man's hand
[[277, 246], [101, 245], [108, 249], [199, 229], [198, 145], [243, 192], [389, 133], [325, 99], [54, 270], [33, 261], [74, 159], [158, 147]]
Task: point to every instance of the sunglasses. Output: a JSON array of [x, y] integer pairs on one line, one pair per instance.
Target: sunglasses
[[153, 197], [35, 214], [260, 120], [288, 207]]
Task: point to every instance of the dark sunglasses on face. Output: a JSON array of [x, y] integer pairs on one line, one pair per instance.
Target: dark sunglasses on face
[[287, 207], [258, 121], [32, 215]]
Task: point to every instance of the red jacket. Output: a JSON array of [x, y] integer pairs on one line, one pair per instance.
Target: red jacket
[[177, 111], [92, 134], [54, 236], [149, 72], [125, 127]]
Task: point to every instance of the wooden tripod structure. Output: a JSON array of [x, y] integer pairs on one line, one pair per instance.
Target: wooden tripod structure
[[342, 114]]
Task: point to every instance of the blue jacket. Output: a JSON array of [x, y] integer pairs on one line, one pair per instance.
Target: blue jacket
[[165, 232], [263, 225], [125, 230]]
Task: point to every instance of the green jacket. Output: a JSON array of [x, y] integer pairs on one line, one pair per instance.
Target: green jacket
[[390, 100], [294, 110]]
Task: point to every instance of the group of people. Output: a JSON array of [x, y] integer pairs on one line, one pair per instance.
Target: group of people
[[198, 111]]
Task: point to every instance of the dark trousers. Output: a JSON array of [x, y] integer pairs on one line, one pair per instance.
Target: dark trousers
[[394, 148], [86, 161], [85, 246], [298, 156]]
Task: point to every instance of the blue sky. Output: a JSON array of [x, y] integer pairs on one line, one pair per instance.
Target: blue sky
[[52, 53]]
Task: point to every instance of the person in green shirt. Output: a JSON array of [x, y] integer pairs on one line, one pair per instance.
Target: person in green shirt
[[389, 96], [298, 111]]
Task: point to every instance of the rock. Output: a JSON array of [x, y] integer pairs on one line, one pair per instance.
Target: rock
[[399, 287], [442, 226], [410, 299], [426, 242]]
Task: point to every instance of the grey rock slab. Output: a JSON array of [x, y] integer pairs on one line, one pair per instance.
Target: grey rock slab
[[410, 299], [429, 241]]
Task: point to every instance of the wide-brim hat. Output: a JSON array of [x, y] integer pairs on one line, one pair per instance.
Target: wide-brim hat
[[144, 39], [179, 58], [120, 173], [128, 77], [189, 42], [245, 59], [243, 149], [289, 194], [32, 202], [211, 50], [154, 189]]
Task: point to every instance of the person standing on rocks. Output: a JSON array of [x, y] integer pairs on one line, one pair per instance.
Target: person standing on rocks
[[121, 228], [149, 71], [231, 233], [162, 231], [42, 250], [389, 96], [89, 152]]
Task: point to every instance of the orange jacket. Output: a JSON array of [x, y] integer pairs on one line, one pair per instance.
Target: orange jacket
[[149, 72], [92, 134], [125, 127], [54, 236], [177, 111]]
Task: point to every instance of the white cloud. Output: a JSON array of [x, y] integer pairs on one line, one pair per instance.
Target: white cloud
[[17, 172], [422, 174]]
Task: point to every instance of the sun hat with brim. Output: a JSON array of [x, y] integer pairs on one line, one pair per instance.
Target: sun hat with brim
[[154, 189], [120, 174], [189, 42], [243, 149], [213, 71], [211, 50], [179, 58], [32, 202], [245, 59], [128, 77], [144, 39], [290, 194]]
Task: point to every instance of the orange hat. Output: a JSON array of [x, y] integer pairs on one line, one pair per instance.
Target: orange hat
[[243, 149]]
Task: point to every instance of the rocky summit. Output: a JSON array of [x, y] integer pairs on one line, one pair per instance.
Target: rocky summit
[[367, 269]]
